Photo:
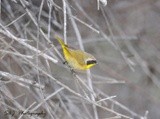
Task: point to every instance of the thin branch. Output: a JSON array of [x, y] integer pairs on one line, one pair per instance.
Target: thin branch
[[16, 79], [64, 21], [27, 110], [89, 26], [50, 96], [78, 35], [20, 40], [16, 20]]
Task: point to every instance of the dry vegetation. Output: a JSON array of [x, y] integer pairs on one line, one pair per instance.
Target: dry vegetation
[[124, 36]]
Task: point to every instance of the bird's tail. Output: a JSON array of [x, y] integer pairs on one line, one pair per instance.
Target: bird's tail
[[60, 41]]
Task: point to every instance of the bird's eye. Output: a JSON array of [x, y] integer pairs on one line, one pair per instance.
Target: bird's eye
[[91, 62]]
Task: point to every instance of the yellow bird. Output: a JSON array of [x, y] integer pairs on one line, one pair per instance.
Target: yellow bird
[[77, 59]]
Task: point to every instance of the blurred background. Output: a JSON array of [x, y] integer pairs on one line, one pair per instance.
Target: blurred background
[[123, 35]]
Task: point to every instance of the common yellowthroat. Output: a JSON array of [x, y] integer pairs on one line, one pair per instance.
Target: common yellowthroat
[[77, 59]]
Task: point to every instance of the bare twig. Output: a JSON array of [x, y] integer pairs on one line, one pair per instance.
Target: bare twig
[[18, 79]]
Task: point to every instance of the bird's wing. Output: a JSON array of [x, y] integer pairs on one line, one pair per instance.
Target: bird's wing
[[78, 55], [82, 56]]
